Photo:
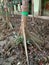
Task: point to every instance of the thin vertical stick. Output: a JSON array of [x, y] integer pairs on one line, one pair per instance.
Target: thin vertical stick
[[23, 26]]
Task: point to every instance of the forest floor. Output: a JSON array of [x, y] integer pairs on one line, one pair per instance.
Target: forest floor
[[13, 53]]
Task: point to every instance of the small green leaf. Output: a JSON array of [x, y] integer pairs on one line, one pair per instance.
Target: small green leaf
[[19, 40]]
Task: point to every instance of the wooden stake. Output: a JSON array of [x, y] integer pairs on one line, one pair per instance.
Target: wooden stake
[[23, 25]]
